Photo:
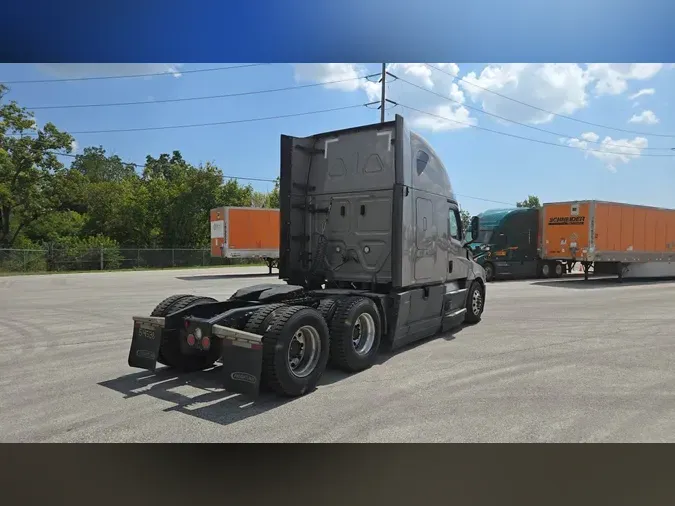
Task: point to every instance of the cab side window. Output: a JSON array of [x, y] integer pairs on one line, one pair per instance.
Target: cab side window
[[453, 225]]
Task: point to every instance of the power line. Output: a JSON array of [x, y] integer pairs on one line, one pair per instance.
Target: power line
[[210, 97], [141, 166], [215, 123], [532, 127], [531, 139], [130, 76], [636, 132], [486, 200]]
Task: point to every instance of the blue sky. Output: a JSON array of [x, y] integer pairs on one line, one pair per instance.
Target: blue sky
[[481, 164]]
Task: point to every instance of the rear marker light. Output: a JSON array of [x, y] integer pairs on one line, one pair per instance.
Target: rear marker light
[[191, 340]]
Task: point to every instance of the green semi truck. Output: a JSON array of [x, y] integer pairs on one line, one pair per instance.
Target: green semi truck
[[508, 245]]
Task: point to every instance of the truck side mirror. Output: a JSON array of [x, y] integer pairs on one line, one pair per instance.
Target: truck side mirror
[[475, 222]]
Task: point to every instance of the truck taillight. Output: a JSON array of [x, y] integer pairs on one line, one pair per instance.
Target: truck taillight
[[206, 342], [191, 340]]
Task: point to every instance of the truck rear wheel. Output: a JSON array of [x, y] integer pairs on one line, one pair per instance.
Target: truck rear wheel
[[355, 334], [261, 319], [558, 270], [327, 309], [163, 308], [545, 270], [295, 350], [169, 351]]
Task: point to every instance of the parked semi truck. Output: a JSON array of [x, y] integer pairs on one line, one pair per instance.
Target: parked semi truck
[[507, 245], [372, 254], [611, 238], [245, 232]]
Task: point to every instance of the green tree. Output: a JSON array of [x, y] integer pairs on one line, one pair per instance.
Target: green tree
[[274, 195], [531, 201], [97, 167], [260, 199], [181, 196], [29, 169], [268, 200]]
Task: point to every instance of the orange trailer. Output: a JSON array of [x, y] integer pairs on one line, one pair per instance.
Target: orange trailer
[[245, 232], [614, 238]]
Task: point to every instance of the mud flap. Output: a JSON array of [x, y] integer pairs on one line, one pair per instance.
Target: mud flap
[[145, 342], [242, 360]]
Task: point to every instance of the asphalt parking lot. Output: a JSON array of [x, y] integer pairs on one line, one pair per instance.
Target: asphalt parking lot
[[557, 361]]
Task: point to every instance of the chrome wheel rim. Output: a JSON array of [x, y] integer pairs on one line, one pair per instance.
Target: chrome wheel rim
[[545, 270], [363, 334], [476, 301], [304, 351]]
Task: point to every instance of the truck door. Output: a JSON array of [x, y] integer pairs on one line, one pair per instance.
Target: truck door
[[458, 263]]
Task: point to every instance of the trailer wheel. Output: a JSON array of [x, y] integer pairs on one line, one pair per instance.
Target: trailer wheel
[[489, 271], [355, 334], [295, 350], [558, 270], [169, 351], [260, 321], [475, 303]]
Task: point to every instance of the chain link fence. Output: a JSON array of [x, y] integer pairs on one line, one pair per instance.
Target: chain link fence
[[102, 259]]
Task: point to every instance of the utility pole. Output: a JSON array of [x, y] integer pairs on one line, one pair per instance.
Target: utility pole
[[383, 98]]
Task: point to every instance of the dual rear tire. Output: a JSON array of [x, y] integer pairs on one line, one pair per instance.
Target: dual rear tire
[[551, 270], [298, 341]]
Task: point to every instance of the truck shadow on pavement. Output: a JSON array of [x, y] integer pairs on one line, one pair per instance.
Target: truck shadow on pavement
[[602, 283], [201, 395]]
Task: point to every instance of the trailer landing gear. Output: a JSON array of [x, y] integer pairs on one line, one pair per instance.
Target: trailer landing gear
[[272, 263], [587, 266], [621, 270]]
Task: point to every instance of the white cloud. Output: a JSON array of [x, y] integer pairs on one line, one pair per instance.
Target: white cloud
[[79, 70], [610, 151], [555, 87], [348, 73], [646, 117], [561, 88], [612, 78], [642, 93], [74, 146], [457, 116], [552, 88], [448, 113]]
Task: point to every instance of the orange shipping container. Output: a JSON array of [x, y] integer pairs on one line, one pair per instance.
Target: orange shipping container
[[244, 232], [596, 231]]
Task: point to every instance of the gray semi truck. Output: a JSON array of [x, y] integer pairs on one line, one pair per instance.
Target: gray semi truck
[[372, 253]]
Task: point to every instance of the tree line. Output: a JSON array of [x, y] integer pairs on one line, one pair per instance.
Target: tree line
[[98, 199]]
